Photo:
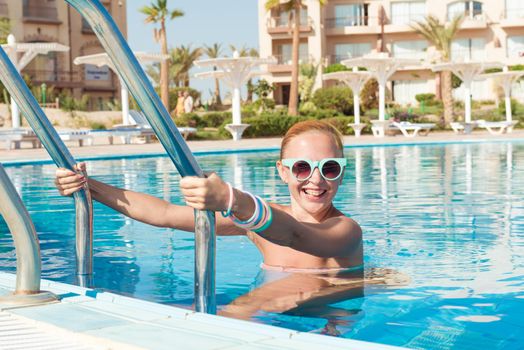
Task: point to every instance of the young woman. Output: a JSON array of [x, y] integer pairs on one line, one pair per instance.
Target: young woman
[[312, 253], [310, 234]]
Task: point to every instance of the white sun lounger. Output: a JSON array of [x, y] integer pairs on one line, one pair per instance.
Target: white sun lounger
[[409, 129], [497, 128], [76, 135], [139, 122], [463, 127], [379, 127], [14, 137]]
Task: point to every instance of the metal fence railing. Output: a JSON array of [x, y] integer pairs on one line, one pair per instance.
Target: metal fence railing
[[41, 12]]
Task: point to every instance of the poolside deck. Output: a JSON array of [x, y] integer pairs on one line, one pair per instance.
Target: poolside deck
[[101, 148], [89, 319]]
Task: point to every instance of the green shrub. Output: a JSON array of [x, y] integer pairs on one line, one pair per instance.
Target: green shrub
[[341, 123], [97, 126], [322, 113], [268, 125], [307, 108], [215, 119], [369, 95], [336, 67], [339, 98], [263, 104], [189, 119], [426, 98]]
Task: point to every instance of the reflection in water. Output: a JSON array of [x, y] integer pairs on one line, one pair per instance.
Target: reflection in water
[[450, 217]]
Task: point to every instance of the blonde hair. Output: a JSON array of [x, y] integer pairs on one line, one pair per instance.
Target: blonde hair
[[309, 126]]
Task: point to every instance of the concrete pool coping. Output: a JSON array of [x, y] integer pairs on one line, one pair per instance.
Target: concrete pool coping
[[102, 320], [103, 151]]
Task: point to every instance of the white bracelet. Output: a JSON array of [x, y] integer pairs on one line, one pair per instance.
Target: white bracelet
[[230, 204]]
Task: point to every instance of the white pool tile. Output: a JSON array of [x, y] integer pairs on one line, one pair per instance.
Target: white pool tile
[[161, 338]]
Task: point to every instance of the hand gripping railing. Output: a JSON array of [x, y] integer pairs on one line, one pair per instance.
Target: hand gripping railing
[[28, 264], [62, 158], [140, 87]]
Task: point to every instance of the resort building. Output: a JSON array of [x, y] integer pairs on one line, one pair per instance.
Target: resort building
[[492, 30], [56, 21]]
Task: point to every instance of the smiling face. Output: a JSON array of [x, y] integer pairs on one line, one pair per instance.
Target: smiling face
[[311, 198]]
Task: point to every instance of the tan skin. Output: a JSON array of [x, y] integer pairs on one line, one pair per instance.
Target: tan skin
[[309, 233]]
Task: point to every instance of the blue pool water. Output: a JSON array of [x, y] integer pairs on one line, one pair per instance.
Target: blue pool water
[[451, 217]]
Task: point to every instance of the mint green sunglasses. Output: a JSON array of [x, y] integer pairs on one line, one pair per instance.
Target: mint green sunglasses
[[302, 169]]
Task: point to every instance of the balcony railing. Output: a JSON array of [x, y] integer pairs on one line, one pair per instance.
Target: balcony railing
[[287, 60], [4, 10], [53, 76], [515, 13], [280, 24], [339, 58], [407, 19], [46, 13], [415, 54], [340, 22]]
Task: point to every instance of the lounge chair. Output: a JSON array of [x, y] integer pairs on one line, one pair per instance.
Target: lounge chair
[[124, 133], [463, 127], [76, 135], [409, 129], [379, 127], [139, 121], [497, 128], [14, 137]]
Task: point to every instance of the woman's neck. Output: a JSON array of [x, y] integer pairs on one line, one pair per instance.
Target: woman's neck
[[300, 214]]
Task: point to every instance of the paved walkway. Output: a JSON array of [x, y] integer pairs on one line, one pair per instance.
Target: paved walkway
[[103, 149]]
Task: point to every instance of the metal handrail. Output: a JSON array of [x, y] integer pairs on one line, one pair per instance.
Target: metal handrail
[[44, 130], [28, 265], [138, 84]]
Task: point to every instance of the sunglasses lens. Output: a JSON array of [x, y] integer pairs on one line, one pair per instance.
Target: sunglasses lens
[[331, 170], [301, 170]]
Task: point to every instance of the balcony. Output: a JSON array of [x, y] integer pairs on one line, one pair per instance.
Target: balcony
[[352, 25], [41, 14], [284, 63], [4, 10], [61, 79], [402, 23], [514, 18], [281, 25], [475, 22]]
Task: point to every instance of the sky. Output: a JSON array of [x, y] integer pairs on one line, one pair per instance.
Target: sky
[[229, 22]]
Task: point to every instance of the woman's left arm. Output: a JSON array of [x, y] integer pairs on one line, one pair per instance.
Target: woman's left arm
[[335, 237]]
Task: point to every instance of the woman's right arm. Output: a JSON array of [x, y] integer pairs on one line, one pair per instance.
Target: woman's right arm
[[139, 206]]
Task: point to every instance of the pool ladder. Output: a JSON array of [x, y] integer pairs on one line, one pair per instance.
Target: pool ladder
[[165, 129]]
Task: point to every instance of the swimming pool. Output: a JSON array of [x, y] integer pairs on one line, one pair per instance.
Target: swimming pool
[[450, 216]]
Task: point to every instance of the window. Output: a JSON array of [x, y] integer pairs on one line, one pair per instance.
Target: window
[[468, 9], [514, 9], [345, 51], [408, 12], [404, 91], [515, 46], [350, 15], [285, 53], [410, 49], [468, 49]]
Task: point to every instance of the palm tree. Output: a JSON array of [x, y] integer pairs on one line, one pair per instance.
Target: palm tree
[[215, 51], [157, 12], [293, 7], [441, 36], [183, 58], [5, 27]]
